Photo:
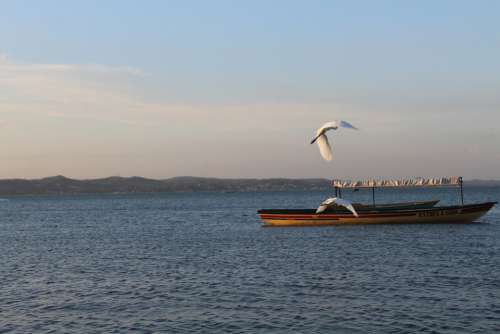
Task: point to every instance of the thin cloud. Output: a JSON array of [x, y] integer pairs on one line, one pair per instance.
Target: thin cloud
[[67, 90], [9, 65]]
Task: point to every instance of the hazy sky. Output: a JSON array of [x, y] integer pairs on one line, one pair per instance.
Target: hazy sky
[[237, 88]]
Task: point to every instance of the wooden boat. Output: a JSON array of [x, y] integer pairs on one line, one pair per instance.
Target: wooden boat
[[391, 213], [444, 214]]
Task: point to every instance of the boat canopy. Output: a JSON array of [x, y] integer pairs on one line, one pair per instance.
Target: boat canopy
[[418, 182]]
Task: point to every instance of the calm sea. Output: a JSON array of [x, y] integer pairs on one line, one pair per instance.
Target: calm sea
[[202, 263]]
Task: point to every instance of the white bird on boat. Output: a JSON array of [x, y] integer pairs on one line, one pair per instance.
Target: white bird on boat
[[336, 201], [322, 139]]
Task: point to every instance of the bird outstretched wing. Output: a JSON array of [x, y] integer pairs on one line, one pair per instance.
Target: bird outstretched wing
[[334, 125], [338, 201], [346, 204], [345, 124], [324, 147]]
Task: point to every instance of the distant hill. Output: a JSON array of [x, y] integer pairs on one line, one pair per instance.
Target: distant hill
[[63, 185]]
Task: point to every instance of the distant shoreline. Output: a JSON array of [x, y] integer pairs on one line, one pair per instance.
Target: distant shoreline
[[60, 185]]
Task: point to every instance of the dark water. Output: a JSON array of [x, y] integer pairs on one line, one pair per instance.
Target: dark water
[[201, 263]]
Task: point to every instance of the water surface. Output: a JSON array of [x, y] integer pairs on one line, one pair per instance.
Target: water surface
[[202, 263]]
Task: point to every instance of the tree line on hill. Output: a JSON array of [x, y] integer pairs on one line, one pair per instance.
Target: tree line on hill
[[63, 185]]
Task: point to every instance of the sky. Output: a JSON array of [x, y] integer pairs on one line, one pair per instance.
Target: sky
[[237, 88]]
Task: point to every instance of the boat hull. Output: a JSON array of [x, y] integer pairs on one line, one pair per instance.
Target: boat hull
[[436, 215]]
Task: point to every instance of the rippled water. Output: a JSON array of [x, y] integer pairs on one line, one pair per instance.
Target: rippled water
[[201, 263]]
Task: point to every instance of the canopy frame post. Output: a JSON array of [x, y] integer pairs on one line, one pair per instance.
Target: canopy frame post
[[461, 182], [373, 195], [336, 191]]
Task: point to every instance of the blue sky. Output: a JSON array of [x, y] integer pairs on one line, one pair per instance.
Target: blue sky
[[226, 88]]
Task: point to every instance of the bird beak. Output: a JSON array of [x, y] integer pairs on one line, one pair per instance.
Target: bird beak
[[315, 138]]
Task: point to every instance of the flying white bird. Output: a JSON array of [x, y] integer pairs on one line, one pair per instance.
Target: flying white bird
[[322, 139], [336, 201]]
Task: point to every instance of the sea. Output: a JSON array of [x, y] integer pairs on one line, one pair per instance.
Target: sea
[[202, 263]]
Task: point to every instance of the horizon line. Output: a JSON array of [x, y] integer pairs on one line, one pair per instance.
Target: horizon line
[[207, 177]]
